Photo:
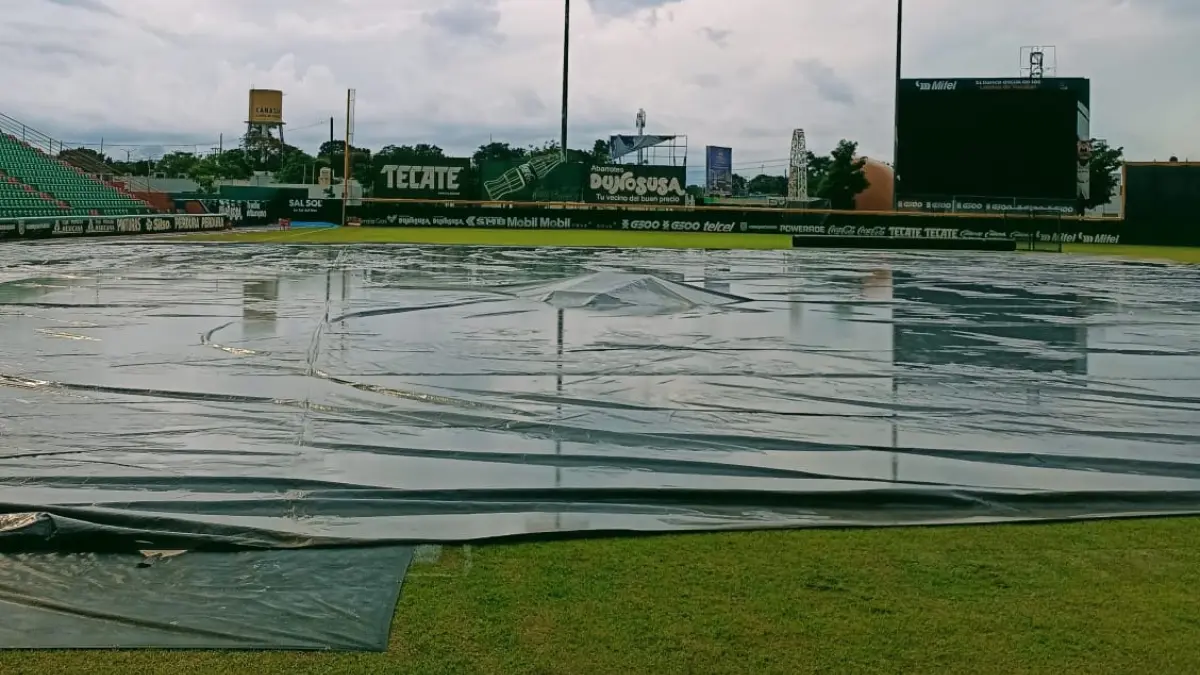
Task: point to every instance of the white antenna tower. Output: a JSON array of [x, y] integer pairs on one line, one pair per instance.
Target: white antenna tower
[[798, 168], [640, 121], [1038, 61]]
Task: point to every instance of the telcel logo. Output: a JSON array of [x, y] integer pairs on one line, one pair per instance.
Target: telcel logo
[[938, 85]]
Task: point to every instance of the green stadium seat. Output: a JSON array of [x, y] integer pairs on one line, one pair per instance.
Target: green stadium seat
[[60, 181]]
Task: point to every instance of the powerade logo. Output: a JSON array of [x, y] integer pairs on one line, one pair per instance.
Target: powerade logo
[[937, 85]]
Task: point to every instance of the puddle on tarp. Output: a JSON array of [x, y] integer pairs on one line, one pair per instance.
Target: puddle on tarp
[[285, 396]]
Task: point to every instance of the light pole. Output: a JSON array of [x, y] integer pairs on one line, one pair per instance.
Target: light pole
[[565, 71], [896, 104]]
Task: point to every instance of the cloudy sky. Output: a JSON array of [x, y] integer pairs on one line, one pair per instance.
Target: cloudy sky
[[162, 73]]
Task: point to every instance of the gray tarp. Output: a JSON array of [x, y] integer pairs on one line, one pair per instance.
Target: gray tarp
[[189, 396], [219, 399]]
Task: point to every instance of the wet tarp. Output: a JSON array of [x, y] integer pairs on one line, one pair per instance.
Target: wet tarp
[[184, 396], [310, 599], [273, 410]]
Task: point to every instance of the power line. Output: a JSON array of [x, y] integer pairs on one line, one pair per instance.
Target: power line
[[196, 144]]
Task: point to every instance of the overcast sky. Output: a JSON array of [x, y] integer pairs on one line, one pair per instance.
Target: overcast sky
[[739, 73]]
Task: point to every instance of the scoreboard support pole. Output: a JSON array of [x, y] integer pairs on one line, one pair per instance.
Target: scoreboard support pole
[[896, 105]]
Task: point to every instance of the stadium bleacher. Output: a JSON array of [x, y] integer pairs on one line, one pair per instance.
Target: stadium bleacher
[[32, 183]]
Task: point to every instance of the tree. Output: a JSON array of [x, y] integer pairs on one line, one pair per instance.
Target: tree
[[176, 164], [600, 153], [818, 166], [739, 184], [762, 184], [1103, 169], [84, 155], [498, 151], [844, 179], [298, 167]]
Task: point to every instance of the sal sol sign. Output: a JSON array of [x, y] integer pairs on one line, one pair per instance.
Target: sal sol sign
[[423, 181]]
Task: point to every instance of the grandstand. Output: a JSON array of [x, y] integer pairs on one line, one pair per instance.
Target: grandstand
[[33, 183]]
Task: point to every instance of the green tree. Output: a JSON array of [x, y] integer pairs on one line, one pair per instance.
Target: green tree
[[818, 166], [600, 152], [498, 151], [86, 159], [233, 164], [739, 184], [333, 152], [844, 179], [763, 184], [1104, 167], [420, 154], [297, 166], [176, 164]]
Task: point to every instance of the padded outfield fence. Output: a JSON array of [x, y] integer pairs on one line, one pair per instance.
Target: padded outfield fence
[[1030, 231]]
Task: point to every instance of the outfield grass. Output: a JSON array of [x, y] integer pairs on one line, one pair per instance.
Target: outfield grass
[[488, 237], [601, 238], [1183, 254], [1100, 597]]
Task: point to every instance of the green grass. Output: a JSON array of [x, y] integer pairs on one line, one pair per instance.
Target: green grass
[[1182, 254], [1099, 597], [489, 237], [604, 238]]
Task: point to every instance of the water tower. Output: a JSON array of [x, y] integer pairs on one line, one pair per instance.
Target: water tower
[[264, 123]]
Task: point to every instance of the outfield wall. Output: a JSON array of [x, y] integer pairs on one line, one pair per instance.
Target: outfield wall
[[96, 226], [499, 215]]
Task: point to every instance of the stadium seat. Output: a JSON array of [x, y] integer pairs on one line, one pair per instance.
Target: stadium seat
[[48, 187]]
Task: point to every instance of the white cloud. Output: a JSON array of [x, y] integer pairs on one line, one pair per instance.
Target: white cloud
[[459, 72]]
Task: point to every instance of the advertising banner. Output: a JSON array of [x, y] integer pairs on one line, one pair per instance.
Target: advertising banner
[[1079, 85], [749, 221], [266, 106], [543, 178], [445, 179], [36, 228], [718, 171], [636, 184], [985, 205]]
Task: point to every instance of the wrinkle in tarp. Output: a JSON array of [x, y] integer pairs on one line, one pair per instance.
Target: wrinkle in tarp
[[184, 397]]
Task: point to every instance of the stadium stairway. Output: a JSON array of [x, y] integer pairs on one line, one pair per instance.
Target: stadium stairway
[[58, 182]]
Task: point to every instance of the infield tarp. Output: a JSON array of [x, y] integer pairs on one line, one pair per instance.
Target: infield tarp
[[311, 599], [197, 397]]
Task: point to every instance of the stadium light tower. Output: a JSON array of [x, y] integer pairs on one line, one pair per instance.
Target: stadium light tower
[[565, 71], [896, 119]]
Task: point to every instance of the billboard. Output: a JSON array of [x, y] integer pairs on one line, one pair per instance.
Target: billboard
[[978, 140], [1162, 195], [542, 178], [444, 180], [266, 106], [718, 171], [636, 184]]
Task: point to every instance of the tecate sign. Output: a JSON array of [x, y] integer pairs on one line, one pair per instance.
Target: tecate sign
[[937, 85], [422, 177]]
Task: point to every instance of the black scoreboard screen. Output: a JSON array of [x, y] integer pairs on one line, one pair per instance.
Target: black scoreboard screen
[[1002, 139]]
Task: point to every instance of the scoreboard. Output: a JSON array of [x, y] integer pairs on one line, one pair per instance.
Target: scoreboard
[[993, 145]]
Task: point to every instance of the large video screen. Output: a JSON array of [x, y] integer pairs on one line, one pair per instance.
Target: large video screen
[[960, 138]]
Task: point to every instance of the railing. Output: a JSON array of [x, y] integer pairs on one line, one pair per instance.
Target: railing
[[48, 145], [30, 135]]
